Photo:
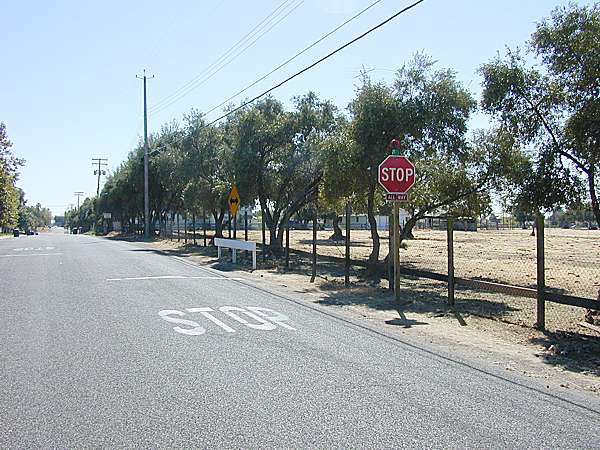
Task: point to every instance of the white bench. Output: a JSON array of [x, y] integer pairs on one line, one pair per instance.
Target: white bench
[[234, 245]]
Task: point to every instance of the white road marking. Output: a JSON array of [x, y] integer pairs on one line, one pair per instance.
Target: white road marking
[[206, 313], [172, 277], [32, 254], [196, 329], [270, 320], [262, 325]]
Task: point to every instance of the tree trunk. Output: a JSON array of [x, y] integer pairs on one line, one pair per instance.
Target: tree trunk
[[374, 256], [593, 195], [218, 223], [337, 231]]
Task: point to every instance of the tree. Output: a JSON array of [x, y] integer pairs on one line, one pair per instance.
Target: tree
[[9, 196], [278, 150], [427, 110], [554, 110]]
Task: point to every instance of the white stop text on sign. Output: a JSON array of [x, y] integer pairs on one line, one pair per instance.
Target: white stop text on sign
[[396, 173], [253, 317]]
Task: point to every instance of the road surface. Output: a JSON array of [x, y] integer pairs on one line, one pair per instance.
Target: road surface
[[112, 344]]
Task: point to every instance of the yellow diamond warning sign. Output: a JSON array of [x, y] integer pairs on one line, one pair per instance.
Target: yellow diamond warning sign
[[233, 200]]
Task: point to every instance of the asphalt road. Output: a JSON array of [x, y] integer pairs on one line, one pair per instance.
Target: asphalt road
[[102, 344]]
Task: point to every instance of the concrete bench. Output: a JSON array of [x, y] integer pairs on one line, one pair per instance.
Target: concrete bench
[[234, 245]]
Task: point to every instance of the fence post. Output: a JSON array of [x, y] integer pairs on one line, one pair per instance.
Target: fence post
[[178, 235], [194, 228], [287, 243], [541, 278], [314, 246], [347, 268], [185, 228], [262, 216], [204, 225], [450, 238], [245, 225]]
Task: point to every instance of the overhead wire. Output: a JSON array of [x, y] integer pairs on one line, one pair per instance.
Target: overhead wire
[[289, 60], [266, 25], [232, 48], [225, 63], [312, 65], [317, 62]]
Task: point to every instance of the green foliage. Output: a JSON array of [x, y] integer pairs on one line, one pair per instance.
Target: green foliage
[[554, 111], [9, 196], [83, 218]]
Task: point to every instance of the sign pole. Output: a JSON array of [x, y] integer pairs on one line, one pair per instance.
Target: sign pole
[[396, 209], [235, 225]]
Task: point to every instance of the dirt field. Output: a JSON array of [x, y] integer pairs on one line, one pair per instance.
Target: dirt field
[[505, 256]]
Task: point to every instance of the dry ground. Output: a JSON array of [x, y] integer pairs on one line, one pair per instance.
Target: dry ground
[[504, 256]]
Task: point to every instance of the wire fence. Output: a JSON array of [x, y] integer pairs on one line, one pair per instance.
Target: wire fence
[[495, 262]]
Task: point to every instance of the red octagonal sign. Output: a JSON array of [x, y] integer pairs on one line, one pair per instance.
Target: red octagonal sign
[[396, 174]]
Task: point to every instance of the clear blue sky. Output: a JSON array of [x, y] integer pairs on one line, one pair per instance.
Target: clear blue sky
[[68, 86]]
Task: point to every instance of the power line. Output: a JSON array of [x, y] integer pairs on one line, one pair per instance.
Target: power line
[[300, 72], [188, 86], [295, 56], [225, 63], [307, 68]]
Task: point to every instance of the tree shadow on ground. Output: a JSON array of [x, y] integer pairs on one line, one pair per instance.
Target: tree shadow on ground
[[574, 352], [417, 295]]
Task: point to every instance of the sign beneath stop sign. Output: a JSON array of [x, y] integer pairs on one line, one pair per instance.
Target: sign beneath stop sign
[[396, 174]]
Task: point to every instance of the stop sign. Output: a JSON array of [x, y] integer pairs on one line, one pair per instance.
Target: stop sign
[[396, 174]]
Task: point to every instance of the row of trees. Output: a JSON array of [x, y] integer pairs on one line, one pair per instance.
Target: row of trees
[[10, 197], [541, 152], [14, 211]]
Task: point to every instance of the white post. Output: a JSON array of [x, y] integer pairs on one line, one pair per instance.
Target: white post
[[233, 255], [218, 252], [254, 260]]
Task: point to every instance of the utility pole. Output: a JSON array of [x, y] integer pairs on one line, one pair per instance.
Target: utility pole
[[100, 162], [146, 195], [78, 194]]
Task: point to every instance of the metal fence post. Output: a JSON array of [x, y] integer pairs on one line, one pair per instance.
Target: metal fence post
[[541, 278], [185, 227], [450, 237]]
